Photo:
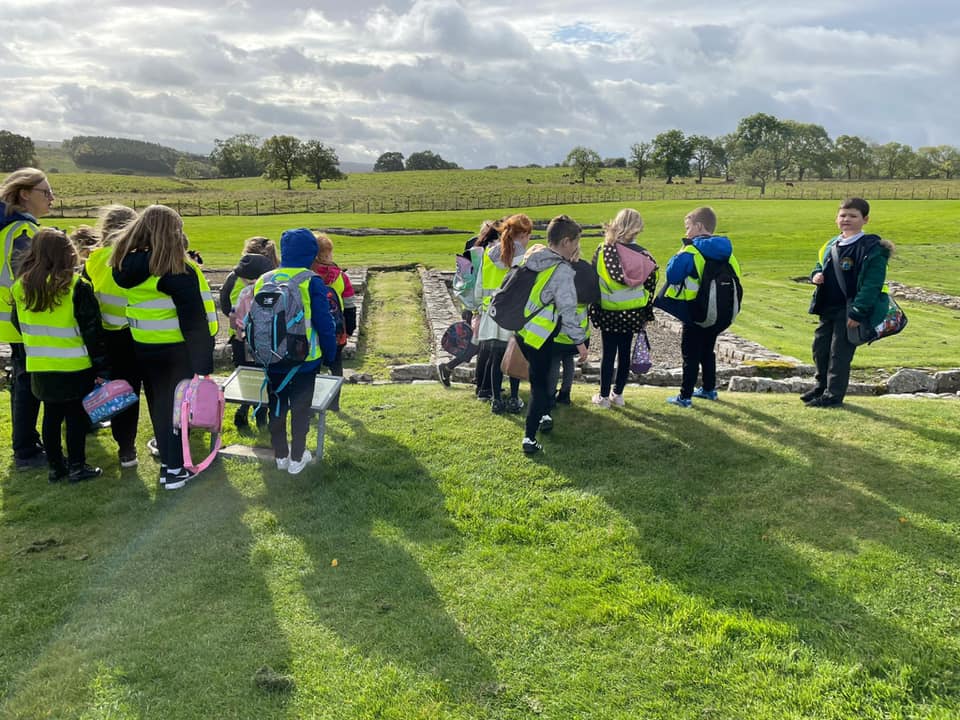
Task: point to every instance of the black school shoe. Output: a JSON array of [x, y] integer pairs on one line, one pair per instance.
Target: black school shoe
[[34, 459], [825, 401], [810, 395], [176, 480], [81, 472], [58, 471]]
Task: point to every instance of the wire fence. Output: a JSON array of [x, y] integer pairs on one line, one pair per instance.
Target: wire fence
[[205, 207]]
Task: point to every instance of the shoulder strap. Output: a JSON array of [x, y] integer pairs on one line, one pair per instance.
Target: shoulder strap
[[835, 256]]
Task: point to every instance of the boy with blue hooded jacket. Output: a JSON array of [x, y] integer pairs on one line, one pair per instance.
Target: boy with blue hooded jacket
[[697, 344], [298, 250]]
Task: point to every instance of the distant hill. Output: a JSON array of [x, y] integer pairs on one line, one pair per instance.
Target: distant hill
[[355, 167]]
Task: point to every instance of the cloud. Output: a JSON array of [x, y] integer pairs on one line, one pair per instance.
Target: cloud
[[479, 82]]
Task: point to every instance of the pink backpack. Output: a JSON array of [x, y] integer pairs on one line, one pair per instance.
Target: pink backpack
[[198, 403], [238, 318]]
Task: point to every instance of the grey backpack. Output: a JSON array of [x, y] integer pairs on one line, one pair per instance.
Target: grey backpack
[[276, 324]]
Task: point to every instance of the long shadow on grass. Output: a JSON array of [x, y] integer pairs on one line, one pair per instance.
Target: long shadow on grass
[[169, 617], [714, 515], [373, 508]]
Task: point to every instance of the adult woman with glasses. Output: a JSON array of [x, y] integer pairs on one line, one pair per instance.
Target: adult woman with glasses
[[25, 195]]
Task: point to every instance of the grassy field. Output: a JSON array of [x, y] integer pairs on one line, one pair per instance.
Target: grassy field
[[776, 242], [751, 559], [442, 190]]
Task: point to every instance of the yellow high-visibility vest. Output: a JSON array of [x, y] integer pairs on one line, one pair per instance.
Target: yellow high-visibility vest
[[153, 316], [51, 338], [8, 333], [111, 297], [543, 318]]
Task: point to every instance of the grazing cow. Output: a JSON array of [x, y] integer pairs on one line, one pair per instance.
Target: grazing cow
[[789, 184]]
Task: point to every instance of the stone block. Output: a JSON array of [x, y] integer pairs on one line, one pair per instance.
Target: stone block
[[908, 380], [408, 373], [947, 381]]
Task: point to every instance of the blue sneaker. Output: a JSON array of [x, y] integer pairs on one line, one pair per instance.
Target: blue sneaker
[[705, 394], [680, 401]]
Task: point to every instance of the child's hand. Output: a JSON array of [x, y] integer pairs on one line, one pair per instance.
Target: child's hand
[[582, 350], [851, 323], [817, 279]]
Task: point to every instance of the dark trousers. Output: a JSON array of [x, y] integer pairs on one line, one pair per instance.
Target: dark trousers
[[540, 389], [77, 421], [833, 353], [616, 350], [24, 406], [483, 371], [463, 356], [295, 398], [497, 348], [124, 366], [161, 373], [561, 359], [698, 350]]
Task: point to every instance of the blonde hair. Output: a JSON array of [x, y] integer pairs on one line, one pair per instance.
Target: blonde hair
[[84, 239], [111, 220], [26, 178], [324, 249], [514, 225], [159, 231], [623, 228], [259, 245], [705, 216]]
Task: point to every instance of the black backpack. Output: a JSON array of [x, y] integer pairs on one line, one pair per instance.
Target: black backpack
[[718, 299], [509, 306]]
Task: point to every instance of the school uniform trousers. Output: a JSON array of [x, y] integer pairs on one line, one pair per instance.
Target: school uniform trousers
[[540, 359], [162, 367], [698, 351]]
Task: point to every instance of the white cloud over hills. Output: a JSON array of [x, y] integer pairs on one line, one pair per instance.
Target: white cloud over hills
[[476, 82]]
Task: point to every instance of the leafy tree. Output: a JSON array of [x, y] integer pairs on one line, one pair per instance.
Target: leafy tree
[[894, 159], [641, 159], [724, 153], [427, 160], [16, 151], [852, 152], [766, 131], [617, 162], [389, 162], [672, 152], [942, 160], [118, 154], [584, 162], [702, 151], [194, 169], [238, 156], [810, 148], [281, 158], [320, 162], [760, 166]]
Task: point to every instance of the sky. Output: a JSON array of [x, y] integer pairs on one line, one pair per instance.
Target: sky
[[480, 83]]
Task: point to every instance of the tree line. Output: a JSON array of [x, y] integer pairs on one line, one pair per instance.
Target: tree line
[[764, 148]]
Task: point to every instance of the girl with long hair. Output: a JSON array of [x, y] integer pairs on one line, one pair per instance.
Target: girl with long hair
[[57, 314]]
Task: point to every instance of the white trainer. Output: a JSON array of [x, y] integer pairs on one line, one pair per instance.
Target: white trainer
[[297, 465]]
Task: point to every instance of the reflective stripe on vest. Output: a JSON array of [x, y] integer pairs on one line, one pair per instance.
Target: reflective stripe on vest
[[491, 277], [283, 274], [153, 316], [583, 320], [51, 338], [688, 289], [542, 324], [8, 333], [615, 295], [111, 297]]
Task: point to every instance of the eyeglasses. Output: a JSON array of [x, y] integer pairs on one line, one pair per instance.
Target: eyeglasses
[[47, 193]]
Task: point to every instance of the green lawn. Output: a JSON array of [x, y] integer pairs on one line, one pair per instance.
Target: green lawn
[[748, 559]]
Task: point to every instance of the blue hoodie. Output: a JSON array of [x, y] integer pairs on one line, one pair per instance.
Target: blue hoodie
[[681, 266], [298, 249]]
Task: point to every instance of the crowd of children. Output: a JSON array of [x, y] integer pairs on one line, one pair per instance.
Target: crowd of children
[[125, 300]]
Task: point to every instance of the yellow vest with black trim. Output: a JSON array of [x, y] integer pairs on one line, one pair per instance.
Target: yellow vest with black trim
[[543, 318], [615, 295], [491, 278], [8, 333], [825, 253], [688, 289], [51, 338], [153, 316], [111, 297], [283, 274]]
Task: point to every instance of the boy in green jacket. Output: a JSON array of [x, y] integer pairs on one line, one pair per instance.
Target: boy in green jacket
[[846, 299]]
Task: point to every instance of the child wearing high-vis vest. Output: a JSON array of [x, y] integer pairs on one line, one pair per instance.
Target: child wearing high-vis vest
[[555, 295], [259, 257], [173, 321], [334, 277], [113, 311], [58, 317], [294, 393]]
